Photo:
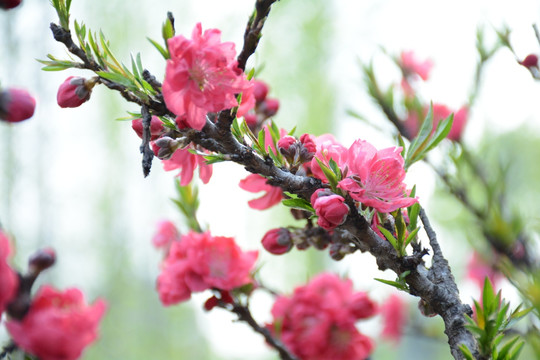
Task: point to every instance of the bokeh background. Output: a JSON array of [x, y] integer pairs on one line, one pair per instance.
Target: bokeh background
[[71, 178]]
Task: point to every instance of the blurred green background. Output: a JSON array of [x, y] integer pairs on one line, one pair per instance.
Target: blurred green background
[[71, 178]]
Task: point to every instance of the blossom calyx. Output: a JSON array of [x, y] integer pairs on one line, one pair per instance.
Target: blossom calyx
[[75, 91], [16, 105], [277, 241], [330, 208]]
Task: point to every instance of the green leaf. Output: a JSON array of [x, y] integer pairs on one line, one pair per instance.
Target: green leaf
[[388, 235], [117, 78], [503, 353], [167, 31], [261, 141], [214, 158], [413, 215], [393, 283], [411, 236], [298, 203], [489, 300], [466, 352], [164, 52], [443, 129], [335, 168], [330, 176]]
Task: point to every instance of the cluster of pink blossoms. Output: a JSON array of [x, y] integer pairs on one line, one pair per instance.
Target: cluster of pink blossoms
[[202, 76], [200, 261], [318, 321], [58, 324]]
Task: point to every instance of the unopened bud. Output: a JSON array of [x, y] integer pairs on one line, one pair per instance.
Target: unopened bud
[[338, 251], [41, 260], [277, 241], [165, 146], [9, 4], [156, 127], [16, 105], [530, 61], [74, 91], [260, 90], [270, 107]]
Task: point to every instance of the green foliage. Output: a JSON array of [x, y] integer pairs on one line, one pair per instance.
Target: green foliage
[[403, 236], [332, 173], [296, 202], [426, 139], [188, 204], [492, 322], [62, 9], [399, 283]]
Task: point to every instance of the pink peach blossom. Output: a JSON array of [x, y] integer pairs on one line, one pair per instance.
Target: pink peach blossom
[[412, 66], [255, 183], [187, 163], [327, 148], [318, 321], [201, 261], [201, 76], [156, 127], [59, 325], [375, 177], [478, 269], [16, 105]]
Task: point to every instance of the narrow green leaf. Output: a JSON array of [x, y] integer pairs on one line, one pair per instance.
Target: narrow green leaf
[[167, 31], [413, 215], [513, 355], [466, 352], [392, 283], [117, 78], [330, 176], [488, 297], [298, 204], [335, 168], [162, 51], [503, 353], [212, 159], [411, 236], [388, 235], [443, 129], [261, 141]]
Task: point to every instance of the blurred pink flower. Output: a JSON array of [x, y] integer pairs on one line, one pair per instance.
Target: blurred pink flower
[[317, 322], [478, 269], [202, 76], [256, 183], [59, 325], [375, 177], [201, 261], [9, 280], [156, 127], [166, 234], [394, 314], [277, 241], [410, 65]]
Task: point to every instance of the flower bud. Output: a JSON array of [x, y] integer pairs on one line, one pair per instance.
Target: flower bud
[[309, 144], [530, 61], [16, 105], [330, 208], [41, 260], [156, 127], [9, 4], [74, 91], [270, 107], [338, 251], [361, 306], [277, 241], [260, 90], [285, 142], [165, 146]]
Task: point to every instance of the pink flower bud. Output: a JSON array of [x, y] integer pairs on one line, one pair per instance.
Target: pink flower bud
[[211, 303], [250, 119], [260, 90], [530, 61], [277, 241], [74, 91], [270, 107], [331, 209], [16, 105], [361, 306], [309, 144], [285, 142], [164, 147], [156, 127], [9, 4]]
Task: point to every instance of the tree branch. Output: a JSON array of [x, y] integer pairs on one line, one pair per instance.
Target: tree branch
[[245, 315]]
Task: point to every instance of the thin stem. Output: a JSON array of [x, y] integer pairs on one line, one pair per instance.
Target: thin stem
[[245, 315]]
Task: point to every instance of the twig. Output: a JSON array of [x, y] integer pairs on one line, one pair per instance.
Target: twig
[[8, 349], [245, 315], [253, 31], [145, 149]]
